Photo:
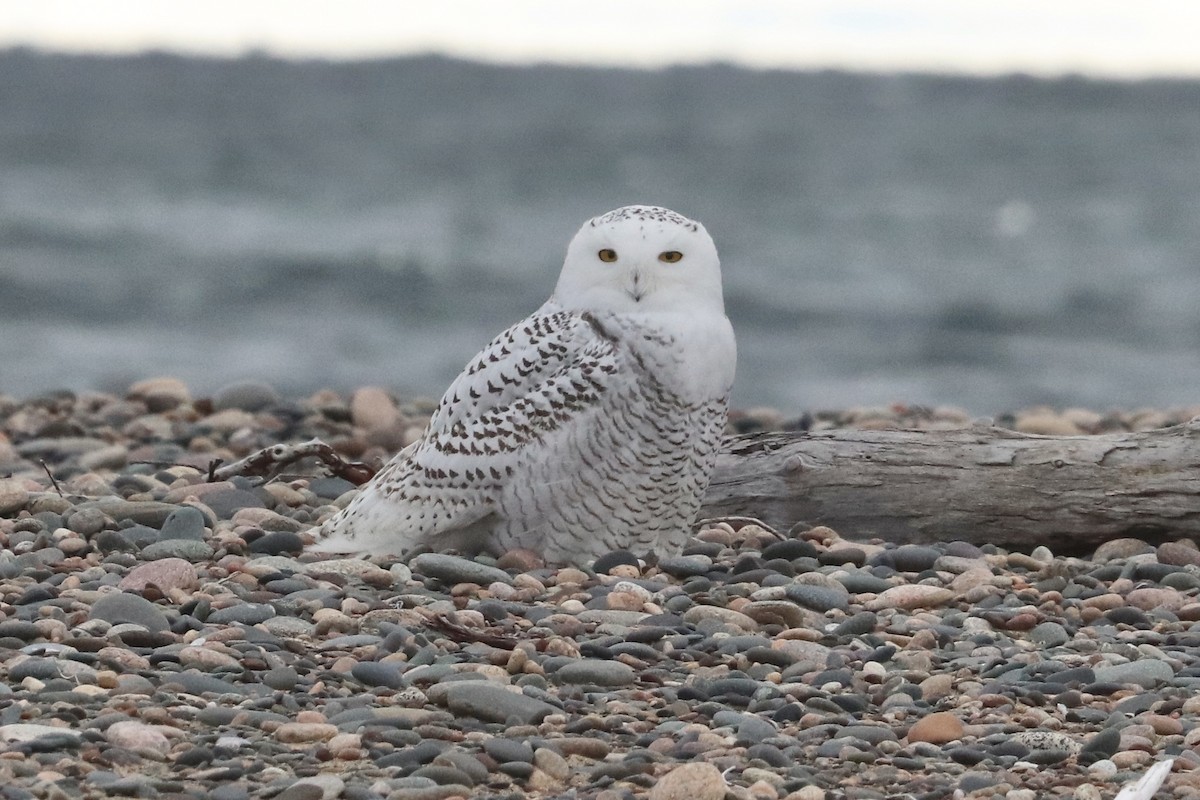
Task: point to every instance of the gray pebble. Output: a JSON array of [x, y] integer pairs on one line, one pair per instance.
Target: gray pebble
[[114, 456], [818, 598], [444, 775], [143, 512], [844, 555], [752, 729], [184, 522], [973, 781], [227, 502], [378, 673], [40, 668], [1101, 745], [1145, 672], [455, 569], [772, 755], [118, 542], [244, 613], [87, 521], [136, 684], [465, 762], [246, 395], [1183, 581], [229, 791], [862, 582], [910, 558], [301, 791], [281, 678], [594, 671], [9, 566], [187, 549], [199, 683], [330, 488], [1049, 634], [518, 769], [215, 716], [857, 625], [491, 703], [435, 792], [278, 543], [686, 566], [56, 447], [872, 734], [19, 629], [503, 749], [120, 607]]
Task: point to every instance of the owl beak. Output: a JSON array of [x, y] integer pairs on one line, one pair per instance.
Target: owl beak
[[636, 288]]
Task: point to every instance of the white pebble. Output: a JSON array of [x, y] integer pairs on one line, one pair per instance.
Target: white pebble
[[1043, 554]]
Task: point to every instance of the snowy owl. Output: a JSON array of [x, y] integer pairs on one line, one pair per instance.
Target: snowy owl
[[590, 426]]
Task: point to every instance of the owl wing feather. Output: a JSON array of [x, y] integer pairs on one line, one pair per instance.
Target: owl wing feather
[[532, 379]]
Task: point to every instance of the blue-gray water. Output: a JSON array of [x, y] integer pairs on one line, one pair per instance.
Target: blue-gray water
[[986, 243]]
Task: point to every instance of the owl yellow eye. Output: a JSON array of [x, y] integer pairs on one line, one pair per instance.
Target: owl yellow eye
[[608, 255], [670, 256]]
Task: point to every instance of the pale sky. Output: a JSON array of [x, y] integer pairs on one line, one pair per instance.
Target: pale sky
[[1124, 38]]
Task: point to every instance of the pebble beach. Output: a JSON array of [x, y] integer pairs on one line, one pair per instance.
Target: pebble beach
[[164, 635]]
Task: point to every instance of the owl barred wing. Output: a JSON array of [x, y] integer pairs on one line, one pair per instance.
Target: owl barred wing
[[550, 355], [531, 380]]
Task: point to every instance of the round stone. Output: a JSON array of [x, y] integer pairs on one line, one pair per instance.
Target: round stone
[[121, 607], [184, 522], [937, 728], [185, 549], [1049, 634], [278, 543], [592, 671], [697, 781], [1145, 672], [455, 569], [165, 573], [376, 673], [910, 558], [246, 395], [819, 598], [137, 736]]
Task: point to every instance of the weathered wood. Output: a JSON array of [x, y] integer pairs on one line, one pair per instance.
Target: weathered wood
[[979, 484]]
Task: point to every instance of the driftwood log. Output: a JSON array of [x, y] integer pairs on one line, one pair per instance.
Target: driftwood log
[[979, 484]]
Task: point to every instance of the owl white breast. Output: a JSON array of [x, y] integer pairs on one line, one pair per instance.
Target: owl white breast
[[592, 425]]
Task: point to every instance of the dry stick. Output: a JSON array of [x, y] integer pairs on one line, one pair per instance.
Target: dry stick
[[50, 475], [271, 459], [460, 633]]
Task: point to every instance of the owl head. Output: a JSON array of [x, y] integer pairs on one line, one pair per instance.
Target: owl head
[[641, 259]]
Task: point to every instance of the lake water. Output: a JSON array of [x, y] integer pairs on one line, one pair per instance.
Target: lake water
[[987, 243]]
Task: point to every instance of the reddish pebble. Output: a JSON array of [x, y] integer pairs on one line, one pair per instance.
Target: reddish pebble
[[938, 728]]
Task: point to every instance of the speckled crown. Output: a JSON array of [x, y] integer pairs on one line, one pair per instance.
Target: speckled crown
[[645, 214]]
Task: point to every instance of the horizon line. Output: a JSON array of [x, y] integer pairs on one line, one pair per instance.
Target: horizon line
[[275, 54]]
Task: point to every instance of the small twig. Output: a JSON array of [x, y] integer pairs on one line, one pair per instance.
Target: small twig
[[50, 475], [462, 634], [271, 459]]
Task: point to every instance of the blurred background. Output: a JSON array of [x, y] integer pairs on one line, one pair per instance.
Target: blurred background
[[990, 204]]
